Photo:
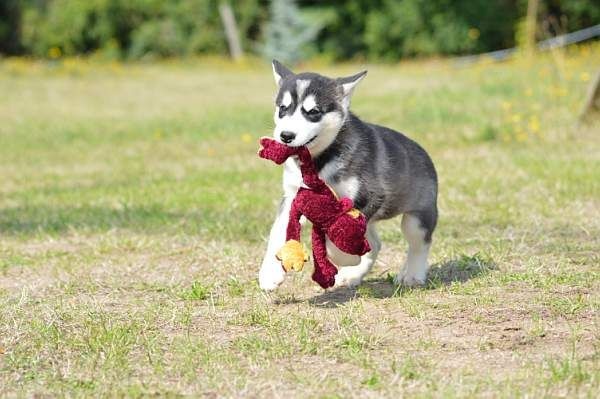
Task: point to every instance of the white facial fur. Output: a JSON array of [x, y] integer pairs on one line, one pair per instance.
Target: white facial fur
[[309, 103], [301, 85], [322, 133], [287, 99], [326, 129], [331, 124]]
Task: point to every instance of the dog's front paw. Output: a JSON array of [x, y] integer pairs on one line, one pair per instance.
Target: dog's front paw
[[347, 277], [409, 280], [271, 275]]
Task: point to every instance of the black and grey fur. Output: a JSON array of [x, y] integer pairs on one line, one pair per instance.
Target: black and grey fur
[[384, 172]]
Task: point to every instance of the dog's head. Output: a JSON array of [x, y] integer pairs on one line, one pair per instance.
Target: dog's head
[[310, 109]]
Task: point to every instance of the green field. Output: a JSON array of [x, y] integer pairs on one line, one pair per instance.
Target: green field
[[134, 214]]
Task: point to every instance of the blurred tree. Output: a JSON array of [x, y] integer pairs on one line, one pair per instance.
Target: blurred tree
[[591, 107], [134, 28], [179, 28], [379, 29], [343, 36], [231, 30], [10, 26], [531, 26], [577, 14], [287, 35], [389, 29]]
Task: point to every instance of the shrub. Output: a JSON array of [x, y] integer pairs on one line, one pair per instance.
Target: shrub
[[10, 18], [388, 29], [137, 28], [381, 29]]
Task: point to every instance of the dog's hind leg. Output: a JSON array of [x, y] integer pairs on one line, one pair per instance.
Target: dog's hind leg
[[417, 229], [351, 276]]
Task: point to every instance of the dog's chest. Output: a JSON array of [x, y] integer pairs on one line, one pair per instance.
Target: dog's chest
[[330, 173]]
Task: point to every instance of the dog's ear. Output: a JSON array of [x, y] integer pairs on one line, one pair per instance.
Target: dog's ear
[[280, 72], [348, 84]]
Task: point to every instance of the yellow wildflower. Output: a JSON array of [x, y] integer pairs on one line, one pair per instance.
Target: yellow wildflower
[[473, 33], [561, 92], [557, 91], [584, 76], [534, 124], [246, 138], [54, 52], [506, 105], [115, 66]]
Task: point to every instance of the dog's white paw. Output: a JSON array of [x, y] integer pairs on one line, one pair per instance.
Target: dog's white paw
[[346, 277], [271, 276], [409, 280]]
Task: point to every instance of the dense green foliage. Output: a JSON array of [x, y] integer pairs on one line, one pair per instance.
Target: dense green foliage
[[391, 29], [9, 26], [378, 29], [575, 14], [131, 28]]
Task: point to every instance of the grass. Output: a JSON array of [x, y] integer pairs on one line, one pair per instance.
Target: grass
[[134, 213]]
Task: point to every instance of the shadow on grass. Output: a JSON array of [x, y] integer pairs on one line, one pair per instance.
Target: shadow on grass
[[457, 270], [151, 218], [56, 219]]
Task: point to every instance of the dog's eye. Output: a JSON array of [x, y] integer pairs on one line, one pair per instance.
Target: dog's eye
[[313, 112], [282, 110]]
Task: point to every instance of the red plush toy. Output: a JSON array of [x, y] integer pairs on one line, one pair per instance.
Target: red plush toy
[[330, 217]]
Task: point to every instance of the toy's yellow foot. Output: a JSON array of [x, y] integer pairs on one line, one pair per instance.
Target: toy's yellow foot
[[355, 213], [292, 256]]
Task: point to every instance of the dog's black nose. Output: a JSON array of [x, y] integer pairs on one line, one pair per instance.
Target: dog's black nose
[[287, 137]]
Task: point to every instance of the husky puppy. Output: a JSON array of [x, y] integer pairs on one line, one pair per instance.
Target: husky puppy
[[384, 172]]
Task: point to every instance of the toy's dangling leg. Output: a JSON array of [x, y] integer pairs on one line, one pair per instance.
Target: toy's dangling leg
[[293, 254], [325, 271], [294, 227]]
